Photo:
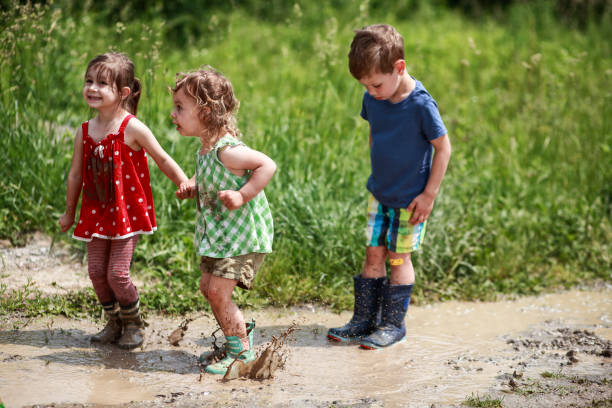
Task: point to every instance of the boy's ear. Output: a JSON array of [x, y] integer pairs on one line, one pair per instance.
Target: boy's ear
[[400, 66], [125, 92]]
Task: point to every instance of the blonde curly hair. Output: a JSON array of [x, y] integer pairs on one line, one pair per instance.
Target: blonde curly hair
[[214, 96]]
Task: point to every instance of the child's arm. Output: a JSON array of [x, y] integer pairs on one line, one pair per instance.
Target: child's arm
[[423, 203], [138, 133], [238, 159], [74, 183]]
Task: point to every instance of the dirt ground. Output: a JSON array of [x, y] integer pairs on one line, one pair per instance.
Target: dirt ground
[[548, 351]]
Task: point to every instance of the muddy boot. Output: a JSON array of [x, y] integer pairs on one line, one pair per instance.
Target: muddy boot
[[233, 347], [392, 328], [210, 356], [133, 327], [112, 331], [365, 311]]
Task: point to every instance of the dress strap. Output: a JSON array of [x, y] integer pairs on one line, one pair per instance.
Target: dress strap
[[124, 123], [85, 127]]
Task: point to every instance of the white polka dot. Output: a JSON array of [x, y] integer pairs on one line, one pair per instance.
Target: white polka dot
[[117, 182], [101, 229], [128, 229], [133, 188], [123, 220], [93, 211], [148, 207], [141, 174], [97, 223], [122, 197], [112, 209], [80, 221], [127, 176], [117, 208], [86, 232], [103, 206], [122, 162], [128, 206], [130, 154], [140, 200], [134, 218], [116, 152], [114, 223], [147, 214]]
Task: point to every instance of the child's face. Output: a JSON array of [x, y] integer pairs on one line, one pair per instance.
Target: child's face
[[382, 86], [100, 93], [185, 114]]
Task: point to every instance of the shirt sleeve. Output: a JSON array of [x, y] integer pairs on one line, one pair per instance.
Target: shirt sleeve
[[364, 111], [433, 126]]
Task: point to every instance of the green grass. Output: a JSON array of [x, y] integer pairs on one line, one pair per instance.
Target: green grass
[[477, 401], [525, 206]]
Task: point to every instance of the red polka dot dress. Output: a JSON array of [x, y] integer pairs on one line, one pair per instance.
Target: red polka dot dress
[[117, 201]]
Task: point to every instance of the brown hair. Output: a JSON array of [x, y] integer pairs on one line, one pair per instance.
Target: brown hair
[[214, 96], [375, 48], [118, 70]]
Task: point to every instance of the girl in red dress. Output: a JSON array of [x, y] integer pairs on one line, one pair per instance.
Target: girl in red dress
[[110, 165]]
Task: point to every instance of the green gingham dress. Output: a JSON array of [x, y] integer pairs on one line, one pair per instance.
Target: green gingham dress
[[221, 233]]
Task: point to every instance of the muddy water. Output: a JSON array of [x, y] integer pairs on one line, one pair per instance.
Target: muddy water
[[452, 350]]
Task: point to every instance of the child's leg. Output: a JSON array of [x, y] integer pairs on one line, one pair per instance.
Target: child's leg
[[118, 272], [402, 270], [374, 265], [229, 317], [97, 263]]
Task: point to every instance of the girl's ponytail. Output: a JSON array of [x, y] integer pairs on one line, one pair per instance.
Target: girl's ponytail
[[131, 103]]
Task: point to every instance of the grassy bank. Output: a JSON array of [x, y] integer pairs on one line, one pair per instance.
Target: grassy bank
[[525, 205]]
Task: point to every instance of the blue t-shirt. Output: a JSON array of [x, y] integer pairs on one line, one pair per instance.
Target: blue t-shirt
[[400, 153]]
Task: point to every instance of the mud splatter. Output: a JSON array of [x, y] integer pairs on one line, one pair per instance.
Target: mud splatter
[[177, 334], [271, 358]]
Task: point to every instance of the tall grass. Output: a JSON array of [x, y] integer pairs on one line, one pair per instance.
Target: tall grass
[[525, 205]]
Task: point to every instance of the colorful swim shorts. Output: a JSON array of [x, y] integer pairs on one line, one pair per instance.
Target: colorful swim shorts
[[391, 227]]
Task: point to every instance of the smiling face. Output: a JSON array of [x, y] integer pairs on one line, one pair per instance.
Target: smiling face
[[99, 91], [185, 114]]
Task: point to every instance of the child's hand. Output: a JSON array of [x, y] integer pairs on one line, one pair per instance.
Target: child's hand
[[421, 208], [186, 190], [65, 222], [231, 199]]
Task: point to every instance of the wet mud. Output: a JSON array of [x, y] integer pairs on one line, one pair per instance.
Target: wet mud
[[552, 350]]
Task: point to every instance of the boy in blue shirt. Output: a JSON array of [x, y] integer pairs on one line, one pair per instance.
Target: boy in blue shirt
[[405, 128]]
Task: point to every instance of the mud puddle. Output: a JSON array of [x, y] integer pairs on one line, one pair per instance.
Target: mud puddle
[[452, 351]]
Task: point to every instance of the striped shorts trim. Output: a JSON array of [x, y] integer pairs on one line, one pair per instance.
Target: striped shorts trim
[[391, 227]]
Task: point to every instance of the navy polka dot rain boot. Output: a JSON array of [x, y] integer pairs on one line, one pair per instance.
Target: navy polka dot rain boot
[[392, 329], [365, 312]]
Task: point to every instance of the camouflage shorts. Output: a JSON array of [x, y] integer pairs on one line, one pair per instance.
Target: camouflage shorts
[[241, 268]]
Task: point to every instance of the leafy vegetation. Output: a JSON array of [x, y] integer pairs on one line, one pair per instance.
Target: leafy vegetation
[[526, 202]]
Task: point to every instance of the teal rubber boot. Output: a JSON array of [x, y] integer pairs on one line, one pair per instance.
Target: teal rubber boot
[[234, 350]]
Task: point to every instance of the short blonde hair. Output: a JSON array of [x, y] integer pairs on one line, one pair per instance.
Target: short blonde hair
[[375, 48]]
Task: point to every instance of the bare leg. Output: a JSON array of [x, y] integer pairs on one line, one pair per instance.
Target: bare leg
[[374, 266], [402, 271], [230, 318]]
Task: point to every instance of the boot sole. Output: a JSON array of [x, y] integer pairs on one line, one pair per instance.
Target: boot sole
[[372, 346], [339, 339]]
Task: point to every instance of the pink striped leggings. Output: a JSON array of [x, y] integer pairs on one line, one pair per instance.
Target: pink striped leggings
[[109, 269]]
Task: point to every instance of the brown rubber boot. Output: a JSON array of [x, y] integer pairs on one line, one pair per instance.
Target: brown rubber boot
[[133, 327], [111, 332]]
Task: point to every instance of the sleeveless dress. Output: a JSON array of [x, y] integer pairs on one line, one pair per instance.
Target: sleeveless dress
[[221, 233], [117, 201]]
